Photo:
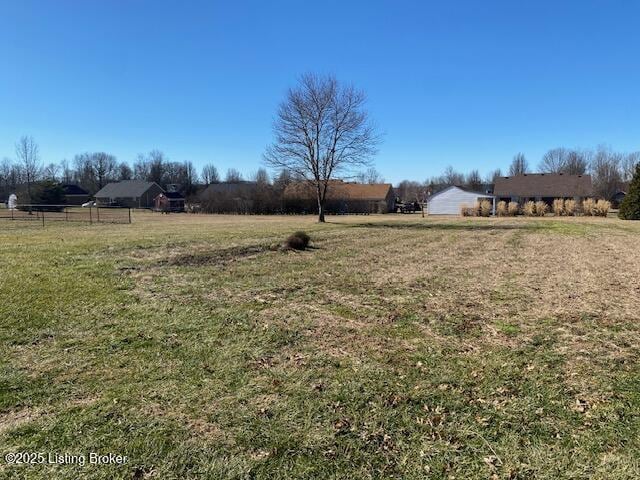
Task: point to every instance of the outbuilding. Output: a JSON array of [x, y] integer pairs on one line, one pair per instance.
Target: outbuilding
[[451, 200]]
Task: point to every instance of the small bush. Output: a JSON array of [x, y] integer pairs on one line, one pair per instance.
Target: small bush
[[630, 206], [466, 211], [297, 241], [570, 207], [588, 207], [513, 208], [501, 209], [485, 208], [529, 209], [602, 208], [541, 209], [558, 206]]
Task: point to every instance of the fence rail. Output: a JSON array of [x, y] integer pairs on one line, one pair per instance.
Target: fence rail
[[67, 213]]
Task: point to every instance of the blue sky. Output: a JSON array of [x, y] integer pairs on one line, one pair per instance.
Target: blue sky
[[462, 83]]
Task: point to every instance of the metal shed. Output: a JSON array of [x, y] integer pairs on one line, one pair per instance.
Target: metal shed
[[450, 200]]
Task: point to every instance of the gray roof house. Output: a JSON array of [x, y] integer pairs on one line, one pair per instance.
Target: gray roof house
[[543, 186], [451, 200], [129, 193]]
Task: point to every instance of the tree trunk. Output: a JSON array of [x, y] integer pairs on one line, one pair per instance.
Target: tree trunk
[[320, 211]]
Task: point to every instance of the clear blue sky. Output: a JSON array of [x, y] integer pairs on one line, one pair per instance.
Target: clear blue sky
[[466, 83]]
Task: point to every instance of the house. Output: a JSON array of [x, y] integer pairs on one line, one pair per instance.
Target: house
[[74, 194], [129, 193], [451, 200], [342, 197], [169, 202], [543, 187], [618, 197], [231, 197]]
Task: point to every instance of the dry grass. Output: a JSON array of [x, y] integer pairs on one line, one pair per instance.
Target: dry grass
[[558, 207], [529, 209], [589, 207], [570, 207], [485, 208], [541, 209], [400, 347], [513, 208], [501, 209]]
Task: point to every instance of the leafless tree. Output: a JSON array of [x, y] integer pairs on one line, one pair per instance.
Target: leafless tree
[[474, 180], [576, 163], [51, 172], [452, 177], [519, 165], [233, 176], [104, 168], [210, 174], [66, 173], [28, 155], [124, 171], [370, 176], [322, 130], [605, 170], [553, 161], [491, 177], [628, 165]]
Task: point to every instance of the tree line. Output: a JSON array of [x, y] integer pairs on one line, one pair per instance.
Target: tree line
[[93, 170], [610, 171]]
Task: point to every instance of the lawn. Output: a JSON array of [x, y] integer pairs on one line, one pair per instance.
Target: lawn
[[398, 347]]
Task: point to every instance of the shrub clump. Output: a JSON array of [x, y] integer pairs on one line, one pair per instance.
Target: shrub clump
[[570, 207], [529, 209], [588, 207], [541, 209], [466, 211], [513, 208], [485, 208], [602, 208], [630, 206], [558, 207], [501, 209], [297, 241]]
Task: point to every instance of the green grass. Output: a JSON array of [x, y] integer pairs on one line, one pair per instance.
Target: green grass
[[397, 348]]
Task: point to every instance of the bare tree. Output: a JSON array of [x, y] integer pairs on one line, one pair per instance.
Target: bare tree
[[233, 176], [124, 171], [51, 172], [519, 165], [576, 163], [210, 174], [553, 161], [474, 180], [628, 165], [451, 177], [605, 169], [28, 155], [321, 130], [104, 168], [491, 177], [370, 176], [66, 173]]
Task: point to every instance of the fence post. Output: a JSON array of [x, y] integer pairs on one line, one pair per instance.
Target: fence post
[[43, 218], [129, 214], [98, 212], [66, 214], [90, 216]]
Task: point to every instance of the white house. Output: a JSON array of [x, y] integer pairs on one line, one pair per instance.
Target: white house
[[450, 200]]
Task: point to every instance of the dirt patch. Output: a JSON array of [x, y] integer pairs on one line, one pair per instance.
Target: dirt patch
[[17, 418]]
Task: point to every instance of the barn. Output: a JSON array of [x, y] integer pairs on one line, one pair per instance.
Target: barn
[[169, 202], [452, 199]]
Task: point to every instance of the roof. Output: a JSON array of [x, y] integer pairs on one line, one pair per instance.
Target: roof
[[72, 189], [125, 189], [341, 190], [544, 185], [478, 194]]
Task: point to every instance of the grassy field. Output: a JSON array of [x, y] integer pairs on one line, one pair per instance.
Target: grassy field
[[399, 347]]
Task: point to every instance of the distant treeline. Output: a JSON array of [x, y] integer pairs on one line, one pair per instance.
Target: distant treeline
[[93, 170]]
